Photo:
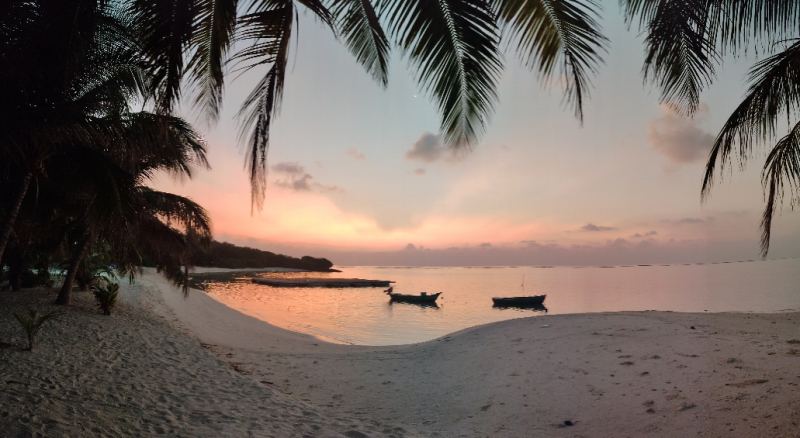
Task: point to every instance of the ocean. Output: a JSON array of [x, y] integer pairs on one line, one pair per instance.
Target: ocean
[[365, 316]]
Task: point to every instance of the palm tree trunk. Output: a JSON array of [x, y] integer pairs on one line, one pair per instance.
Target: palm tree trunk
[[8, 222], [16, 267], [65, 295]]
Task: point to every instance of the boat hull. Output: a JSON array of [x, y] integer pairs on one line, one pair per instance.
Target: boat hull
[[415, 298], [536, 300]]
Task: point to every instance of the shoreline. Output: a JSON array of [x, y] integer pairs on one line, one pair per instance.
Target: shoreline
[[645, 373], [132, 374], [195, 367]]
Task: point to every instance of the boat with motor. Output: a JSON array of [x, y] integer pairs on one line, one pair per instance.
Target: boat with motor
[[532, 301], [423, 297]]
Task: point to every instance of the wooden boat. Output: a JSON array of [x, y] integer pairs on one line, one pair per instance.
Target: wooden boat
[[421, 298], [531, 301], [522, 301]]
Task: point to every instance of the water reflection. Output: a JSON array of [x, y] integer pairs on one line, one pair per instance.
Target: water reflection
[[423, 304], [533, 307], [365, 316]]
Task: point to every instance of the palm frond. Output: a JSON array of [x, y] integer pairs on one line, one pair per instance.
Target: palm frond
[[359, 23], [774, 92], [93, 186], [156, 142], [177, 209], [166, 28], [782, 168], [644, 10], [453, 46], [215, 27], [680, 52], [271, 30], [552, 32], [738, 24]]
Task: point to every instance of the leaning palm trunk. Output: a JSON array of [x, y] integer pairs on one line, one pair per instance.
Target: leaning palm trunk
[[65, 295], [8, 222]]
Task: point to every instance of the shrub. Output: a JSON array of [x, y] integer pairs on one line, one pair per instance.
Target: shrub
[[32, 322], [106, 297]]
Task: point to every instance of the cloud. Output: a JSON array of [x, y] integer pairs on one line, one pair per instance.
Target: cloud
[[690, 220], [647, 234], [651, 233], [485, 245], [419, 171], [291, 168], [299, 180], [593, 227], [410, 247], [355, 154], [679, 138], [300, 184], [617, 243], [430, 149]]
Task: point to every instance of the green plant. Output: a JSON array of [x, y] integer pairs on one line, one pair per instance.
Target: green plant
[[32, 322], [94, 268], [106, 297]]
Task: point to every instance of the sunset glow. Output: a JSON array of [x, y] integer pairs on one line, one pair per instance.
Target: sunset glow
[[353, 168]]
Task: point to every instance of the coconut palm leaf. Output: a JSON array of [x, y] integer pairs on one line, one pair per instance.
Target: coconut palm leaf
[[685, 38], [166, 29], [91, 186], [271, 31], [268, 26], [740, 23], [680, 53], [774, 92], [154, 233], [552, 32], [453, 46], [153, 142], [360, 25], [177, 209], [214, 30], [112, 77], [782, 168]]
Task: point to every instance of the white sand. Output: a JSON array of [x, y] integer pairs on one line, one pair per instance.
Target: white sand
[[612, 375], [132, 375]]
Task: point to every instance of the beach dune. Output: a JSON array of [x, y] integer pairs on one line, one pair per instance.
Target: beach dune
[[199, 368]]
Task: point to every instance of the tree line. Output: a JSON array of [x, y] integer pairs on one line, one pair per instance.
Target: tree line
[[228, 255]]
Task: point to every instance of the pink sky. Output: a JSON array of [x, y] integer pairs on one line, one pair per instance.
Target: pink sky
[[357, 171]]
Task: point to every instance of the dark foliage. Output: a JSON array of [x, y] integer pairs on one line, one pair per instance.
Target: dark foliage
[[227, 255]]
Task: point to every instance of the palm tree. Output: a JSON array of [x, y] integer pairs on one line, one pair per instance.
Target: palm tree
[[167, 229], [685, 42], [68, 67], [71, 71], [109, 202], [454, 49], [453, 46]]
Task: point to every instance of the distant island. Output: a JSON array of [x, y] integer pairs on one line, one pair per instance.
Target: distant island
[[228, 255]]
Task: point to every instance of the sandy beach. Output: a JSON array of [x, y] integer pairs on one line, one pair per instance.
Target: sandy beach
[[167, 365]]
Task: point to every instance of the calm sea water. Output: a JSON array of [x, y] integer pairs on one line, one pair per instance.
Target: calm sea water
[[365, 316]]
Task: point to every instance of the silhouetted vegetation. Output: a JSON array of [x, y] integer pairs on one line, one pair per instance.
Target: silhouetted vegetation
[[106, 297], [76, 153], [228, 255], [32, 322]]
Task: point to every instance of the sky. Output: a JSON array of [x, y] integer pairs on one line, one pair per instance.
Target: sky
[[358, 173]]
